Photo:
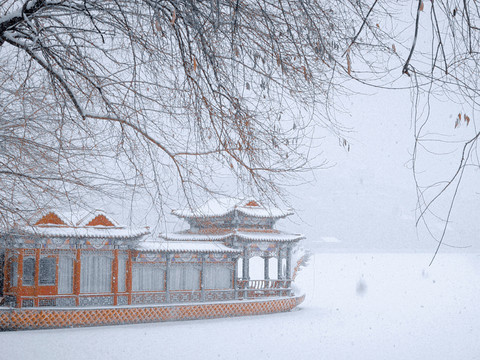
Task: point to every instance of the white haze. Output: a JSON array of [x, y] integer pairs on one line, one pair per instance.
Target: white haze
[[368, 199], [358, 306]]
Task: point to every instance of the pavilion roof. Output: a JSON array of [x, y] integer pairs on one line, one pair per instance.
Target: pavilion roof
[[223, 206], [269, 236], [247, 235]]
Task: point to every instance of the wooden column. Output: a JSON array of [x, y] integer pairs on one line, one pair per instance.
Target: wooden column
[[246, 272], [6, 272], [115, 277], [36, 276], [246, 269], [167, 274], [266, 268], [76, 276], [202, 279], [235, 275], [129, 277], [279, 265], [288, 271], [19, 278]]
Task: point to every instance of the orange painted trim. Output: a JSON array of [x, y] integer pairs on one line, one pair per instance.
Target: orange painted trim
[[37, 274], [6, 272], [19, 278], [115, 277], [101, 220], [129, 276], [50, 218], [30, 318], [76, 276]]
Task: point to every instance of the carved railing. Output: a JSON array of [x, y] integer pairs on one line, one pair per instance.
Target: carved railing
[[263, 288], [245, 289]]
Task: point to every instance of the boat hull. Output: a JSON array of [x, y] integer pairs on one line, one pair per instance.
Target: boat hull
[[48, 318]]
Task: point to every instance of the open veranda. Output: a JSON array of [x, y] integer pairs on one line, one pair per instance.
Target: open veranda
[[86, 269]]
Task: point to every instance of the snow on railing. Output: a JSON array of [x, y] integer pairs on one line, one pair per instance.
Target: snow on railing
[[263, 288]]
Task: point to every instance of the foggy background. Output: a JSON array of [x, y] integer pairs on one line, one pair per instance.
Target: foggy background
[[367, 201]]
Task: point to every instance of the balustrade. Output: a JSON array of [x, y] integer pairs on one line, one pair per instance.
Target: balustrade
[[263, 288]]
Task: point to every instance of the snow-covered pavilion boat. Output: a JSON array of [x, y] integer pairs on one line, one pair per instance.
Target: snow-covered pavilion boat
[[69, 270]]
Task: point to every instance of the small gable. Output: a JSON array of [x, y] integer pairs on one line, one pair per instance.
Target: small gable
[[252, 203], [100, 220], [50, 219]]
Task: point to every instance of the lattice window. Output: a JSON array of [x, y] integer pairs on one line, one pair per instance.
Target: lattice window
[[47, 273], [28, 271]]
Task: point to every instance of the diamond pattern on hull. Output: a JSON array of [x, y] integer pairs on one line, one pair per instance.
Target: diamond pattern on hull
[[28, 318]]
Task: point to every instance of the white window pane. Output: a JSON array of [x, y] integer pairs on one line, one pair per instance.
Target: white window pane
[[95, 273], [175, 278], [217, 277], [192, 278], [65, 275], [147, 277], [184, 277], [122, 273]]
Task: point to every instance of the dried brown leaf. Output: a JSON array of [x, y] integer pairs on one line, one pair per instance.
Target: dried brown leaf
[[157, 26]]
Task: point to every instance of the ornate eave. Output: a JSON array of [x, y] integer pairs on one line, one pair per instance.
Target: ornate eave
[[223, 207], [235, 236], [185, 247], [83, 232]]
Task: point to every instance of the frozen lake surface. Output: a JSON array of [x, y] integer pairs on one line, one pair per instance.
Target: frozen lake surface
[[358, 306]]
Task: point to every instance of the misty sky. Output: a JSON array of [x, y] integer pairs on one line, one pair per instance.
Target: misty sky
[[368, 199]]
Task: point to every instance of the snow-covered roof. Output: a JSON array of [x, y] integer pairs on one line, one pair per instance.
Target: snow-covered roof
[[87, 231], [267, 236], [188, 236], [185, 246], [74, 219], [91, 224], [223, 206], [272, 236]]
